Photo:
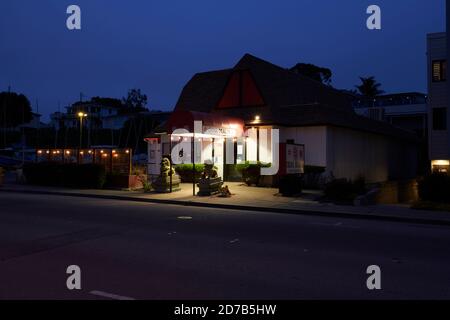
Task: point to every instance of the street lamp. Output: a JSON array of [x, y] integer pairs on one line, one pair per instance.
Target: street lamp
[[81, 115]]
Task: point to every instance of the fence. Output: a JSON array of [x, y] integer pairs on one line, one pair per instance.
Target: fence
[[116, 161]]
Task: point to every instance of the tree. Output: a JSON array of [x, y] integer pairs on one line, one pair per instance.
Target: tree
[[312, 71], [111, 102], [135, 101], [369, 87], [15, 109]]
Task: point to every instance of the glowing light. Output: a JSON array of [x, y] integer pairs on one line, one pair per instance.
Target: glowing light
[[127, 151], [81, 152], [47, 152], [67, 152], [101, 151], [116, 155], [40, 151], [440, 163], [114, 151], [257, 118], [90, 151], [104, 155]]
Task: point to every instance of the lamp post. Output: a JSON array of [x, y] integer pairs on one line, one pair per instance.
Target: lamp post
[[81, 115]]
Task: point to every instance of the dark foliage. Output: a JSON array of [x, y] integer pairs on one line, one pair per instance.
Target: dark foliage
[[185, 171], [312, 71], [369, 87], [135, 101], [251, 172], [66, 175], [435, 187], [15, 109], [343, 190]]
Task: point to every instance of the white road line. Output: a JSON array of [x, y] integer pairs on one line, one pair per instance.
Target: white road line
[[184, 218], [110, 295]]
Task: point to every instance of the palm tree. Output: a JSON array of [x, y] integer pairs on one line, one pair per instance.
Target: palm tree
[[369, 87]]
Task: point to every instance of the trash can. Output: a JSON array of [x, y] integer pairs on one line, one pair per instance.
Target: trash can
[[290, 185]]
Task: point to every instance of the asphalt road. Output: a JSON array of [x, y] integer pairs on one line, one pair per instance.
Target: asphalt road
[[151, 251]]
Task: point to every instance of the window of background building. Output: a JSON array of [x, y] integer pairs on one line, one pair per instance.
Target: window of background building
[[440, 119], [439, 70]]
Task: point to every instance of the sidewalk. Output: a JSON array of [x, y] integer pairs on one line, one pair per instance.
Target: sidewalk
[[254, 199]]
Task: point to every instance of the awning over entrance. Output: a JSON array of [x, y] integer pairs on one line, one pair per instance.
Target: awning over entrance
[[213, 123]]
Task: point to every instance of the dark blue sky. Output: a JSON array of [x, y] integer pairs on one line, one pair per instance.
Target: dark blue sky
[[158, 45]]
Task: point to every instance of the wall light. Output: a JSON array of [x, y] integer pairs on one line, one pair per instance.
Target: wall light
[[440, 162]]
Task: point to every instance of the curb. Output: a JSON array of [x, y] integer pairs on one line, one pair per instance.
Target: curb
[[345, 215]]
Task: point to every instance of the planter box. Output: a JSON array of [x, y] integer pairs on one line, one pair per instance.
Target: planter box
[[124, 182]]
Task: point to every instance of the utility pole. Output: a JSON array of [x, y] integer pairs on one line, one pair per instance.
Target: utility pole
[[39, 125]]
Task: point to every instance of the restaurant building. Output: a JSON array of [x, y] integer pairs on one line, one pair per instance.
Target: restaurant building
[[316, 126]]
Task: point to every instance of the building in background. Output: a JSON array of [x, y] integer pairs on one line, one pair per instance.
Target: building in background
[[438, 101], [34, 123], [404, 110], [95, 112]]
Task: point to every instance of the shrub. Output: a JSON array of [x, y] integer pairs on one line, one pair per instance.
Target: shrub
[[312, 177], [314, 170], [185, 171], [435, 187], [66, 175], [251, 172], [343, 190]]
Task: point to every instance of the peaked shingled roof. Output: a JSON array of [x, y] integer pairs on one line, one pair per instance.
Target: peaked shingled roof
[[290, 99]]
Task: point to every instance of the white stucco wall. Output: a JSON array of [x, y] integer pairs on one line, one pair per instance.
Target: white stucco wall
[[353, 153], [314, 139], [376, 157], [349, 153]]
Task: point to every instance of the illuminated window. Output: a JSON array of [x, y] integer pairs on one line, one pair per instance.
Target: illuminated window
[[440, 166], [439, 70]]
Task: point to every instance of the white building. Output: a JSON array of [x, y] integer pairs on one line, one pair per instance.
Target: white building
[[95, 112], [257, 97]]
